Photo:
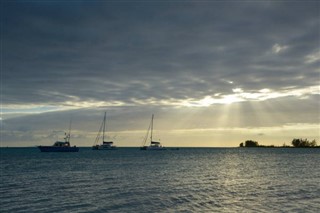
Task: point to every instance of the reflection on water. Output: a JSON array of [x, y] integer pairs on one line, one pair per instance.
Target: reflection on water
[[192, 180]]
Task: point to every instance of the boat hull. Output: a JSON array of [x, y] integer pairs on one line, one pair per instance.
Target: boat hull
[[100, 147], [152, 148], [58, 149]]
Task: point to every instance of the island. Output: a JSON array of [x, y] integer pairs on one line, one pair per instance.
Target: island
[[296, 143]]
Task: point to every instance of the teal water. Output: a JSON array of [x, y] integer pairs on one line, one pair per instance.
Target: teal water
[[185, 180]]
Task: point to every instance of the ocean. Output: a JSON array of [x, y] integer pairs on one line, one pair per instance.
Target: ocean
[[185, 180]]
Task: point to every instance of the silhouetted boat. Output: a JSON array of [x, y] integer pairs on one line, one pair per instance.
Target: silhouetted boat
[[61, 146], [154, 145], [105, 145]]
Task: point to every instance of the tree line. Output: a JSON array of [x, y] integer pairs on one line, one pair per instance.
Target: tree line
[[296, 142]]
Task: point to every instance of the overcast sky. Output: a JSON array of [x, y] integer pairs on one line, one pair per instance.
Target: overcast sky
[[214, 73]]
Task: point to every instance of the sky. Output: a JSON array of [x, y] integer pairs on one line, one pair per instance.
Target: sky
[[214, 73]]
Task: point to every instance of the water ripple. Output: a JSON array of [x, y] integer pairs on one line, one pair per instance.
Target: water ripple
[[188, 180]]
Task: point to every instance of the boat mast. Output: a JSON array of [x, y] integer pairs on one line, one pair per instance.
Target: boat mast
[[151, 127], [104, 125]]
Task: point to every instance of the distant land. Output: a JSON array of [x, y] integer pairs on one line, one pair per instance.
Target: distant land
[[296, 143]]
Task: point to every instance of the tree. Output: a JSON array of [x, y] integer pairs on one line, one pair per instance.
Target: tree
[[296, 142], [251, 143], [313, 143], [299, 142]]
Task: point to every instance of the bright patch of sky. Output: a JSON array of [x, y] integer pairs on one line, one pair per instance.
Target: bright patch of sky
[[262, 95], [312, 58], [277, 48], [28, 109]]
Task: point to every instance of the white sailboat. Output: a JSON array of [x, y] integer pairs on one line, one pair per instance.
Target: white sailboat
[[154, 145], [105, 145]]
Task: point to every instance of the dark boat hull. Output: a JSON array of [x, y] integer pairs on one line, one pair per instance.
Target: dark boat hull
[[152, 148], [104, 148], [58, 149]]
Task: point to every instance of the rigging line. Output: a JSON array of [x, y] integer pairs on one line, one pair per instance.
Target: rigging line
[[151, 128], [146, 136], [99, 134]]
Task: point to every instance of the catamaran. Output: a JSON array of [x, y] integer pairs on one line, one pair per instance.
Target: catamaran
[[61, 146], [154, 145], [105, 145]]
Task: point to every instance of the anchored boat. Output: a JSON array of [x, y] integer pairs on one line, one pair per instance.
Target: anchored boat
[[61, 146], [154, 145], [105, 145]]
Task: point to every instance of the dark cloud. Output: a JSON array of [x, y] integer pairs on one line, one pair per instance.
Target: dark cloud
[[145, 56], [119, 51]]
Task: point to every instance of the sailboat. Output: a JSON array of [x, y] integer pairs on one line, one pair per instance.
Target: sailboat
[[61, 146], [154, 145], [105, 145]]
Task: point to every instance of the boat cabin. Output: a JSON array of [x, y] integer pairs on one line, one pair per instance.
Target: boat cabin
[[155, 143], [61, 144], [107, 142]]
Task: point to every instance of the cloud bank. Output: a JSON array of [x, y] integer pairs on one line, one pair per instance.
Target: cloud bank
[[159, 56]]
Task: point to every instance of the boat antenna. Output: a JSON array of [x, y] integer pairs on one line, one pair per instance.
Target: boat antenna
[[68, 136]]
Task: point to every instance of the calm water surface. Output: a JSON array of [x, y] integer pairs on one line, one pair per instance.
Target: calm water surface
[[185, 180]]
